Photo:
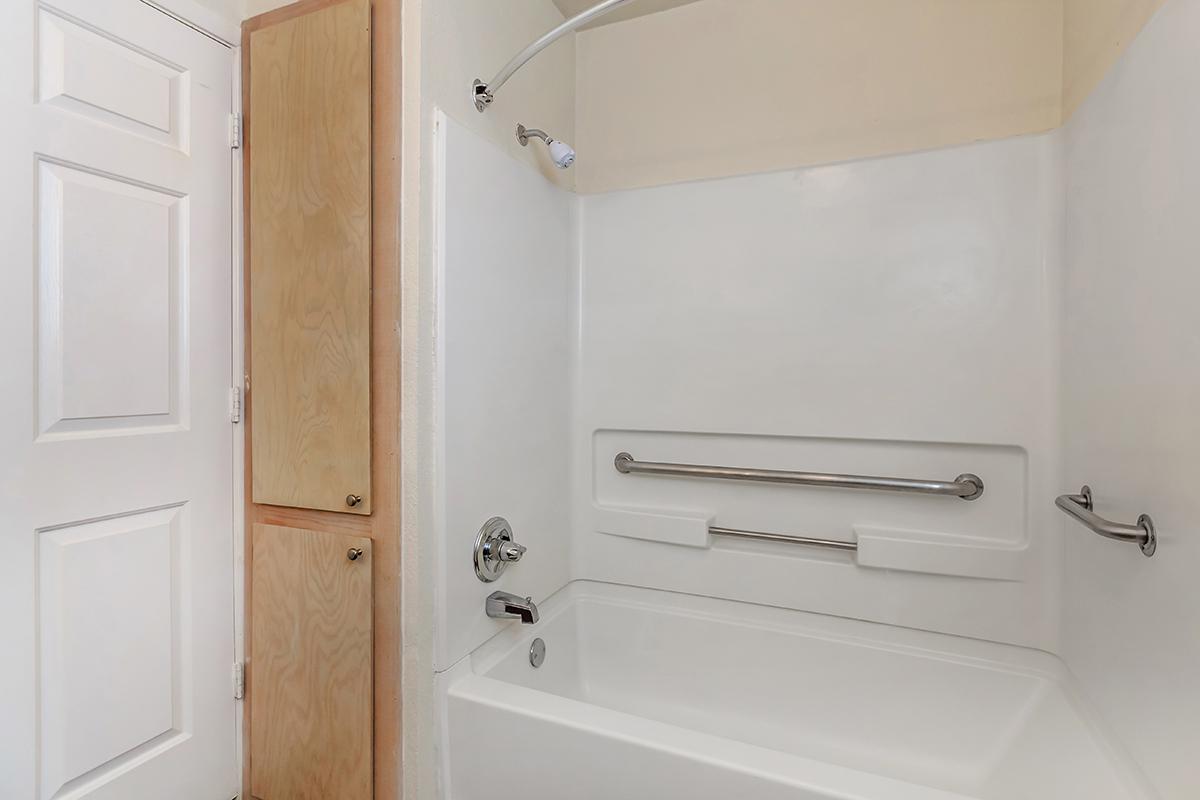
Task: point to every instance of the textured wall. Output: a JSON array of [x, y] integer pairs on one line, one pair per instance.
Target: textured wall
[[728, 87]]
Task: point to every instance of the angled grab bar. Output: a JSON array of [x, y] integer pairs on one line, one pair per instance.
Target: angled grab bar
[[965, 486], [1079, 506]]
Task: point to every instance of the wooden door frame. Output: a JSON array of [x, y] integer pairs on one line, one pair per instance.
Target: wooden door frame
[[382, 526]]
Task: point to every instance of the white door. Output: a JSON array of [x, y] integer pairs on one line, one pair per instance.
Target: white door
[[116, 448]]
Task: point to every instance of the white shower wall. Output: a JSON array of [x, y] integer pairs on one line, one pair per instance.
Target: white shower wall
[[502, 390], [1131, 398], [892, 316]]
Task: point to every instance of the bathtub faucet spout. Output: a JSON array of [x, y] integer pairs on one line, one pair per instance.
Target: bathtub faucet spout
[[502, 605]]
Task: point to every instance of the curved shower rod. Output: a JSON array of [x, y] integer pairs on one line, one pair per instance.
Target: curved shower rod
[[484, 93]]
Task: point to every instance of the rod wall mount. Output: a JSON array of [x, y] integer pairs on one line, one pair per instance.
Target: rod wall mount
[[483, 98]]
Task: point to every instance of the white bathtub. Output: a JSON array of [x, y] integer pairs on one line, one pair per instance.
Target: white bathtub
[[647, 694]]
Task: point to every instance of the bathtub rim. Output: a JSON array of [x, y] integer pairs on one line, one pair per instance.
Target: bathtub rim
[[844, 630]]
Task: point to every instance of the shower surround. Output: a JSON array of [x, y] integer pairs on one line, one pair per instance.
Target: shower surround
[[917, 316]]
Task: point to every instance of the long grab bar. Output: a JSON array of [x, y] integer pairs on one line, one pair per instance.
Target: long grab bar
[[965, 486], [1080, 506]]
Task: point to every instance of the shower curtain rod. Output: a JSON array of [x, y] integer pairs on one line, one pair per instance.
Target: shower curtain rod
[[484, 93]]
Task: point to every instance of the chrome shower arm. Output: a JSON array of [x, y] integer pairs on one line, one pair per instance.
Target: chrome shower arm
[[484, 93], [525, 134]]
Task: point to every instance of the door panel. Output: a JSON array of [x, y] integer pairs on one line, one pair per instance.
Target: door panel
[[116, 483], [90, 72], [88, 648], [310, 678], [109, 262]]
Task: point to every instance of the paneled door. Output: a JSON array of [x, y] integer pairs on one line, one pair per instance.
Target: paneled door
[[116, 447]]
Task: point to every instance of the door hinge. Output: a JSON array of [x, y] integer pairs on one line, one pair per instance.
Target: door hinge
[[235, 131], [239, 680], [235, 404]]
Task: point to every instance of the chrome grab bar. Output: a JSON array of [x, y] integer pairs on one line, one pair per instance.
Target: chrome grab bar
[[828, 544], [965, 486], [1080, 506]]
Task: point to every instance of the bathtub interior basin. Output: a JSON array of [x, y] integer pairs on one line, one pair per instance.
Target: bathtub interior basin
[[654, 692]]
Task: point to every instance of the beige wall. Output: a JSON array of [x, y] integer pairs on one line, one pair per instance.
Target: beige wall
[[243, 9], [1095, 34], [725, 87], [570, 8], [234, 9], [256, 7]]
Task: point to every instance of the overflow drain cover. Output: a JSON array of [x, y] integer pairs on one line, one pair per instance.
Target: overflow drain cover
[[537, 652]]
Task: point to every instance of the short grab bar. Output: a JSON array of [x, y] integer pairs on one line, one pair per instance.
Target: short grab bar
[[965, 486], [1079, 506]]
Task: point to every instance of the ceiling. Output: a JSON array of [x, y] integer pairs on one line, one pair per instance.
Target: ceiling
[[637, 8]]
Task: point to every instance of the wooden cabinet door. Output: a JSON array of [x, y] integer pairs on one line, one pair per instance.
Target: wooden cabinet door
[[309, 228], [310, 687]]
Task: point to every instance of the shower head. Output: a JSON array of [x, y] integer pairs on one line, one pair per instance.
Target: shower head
[[561, 153]]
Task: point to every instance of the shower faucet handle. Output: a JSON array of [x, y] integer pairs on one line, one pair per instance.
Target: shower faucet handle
[[511, 551], [495, 549]]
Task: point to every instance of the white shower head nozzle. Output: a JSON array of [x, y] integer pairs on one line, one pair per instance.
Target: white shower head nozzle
[[561, 153]]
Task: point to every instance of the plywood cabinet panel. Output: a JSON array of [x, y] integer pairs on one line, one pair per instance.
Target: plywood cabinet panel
[[309, 139], [310, 686]]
